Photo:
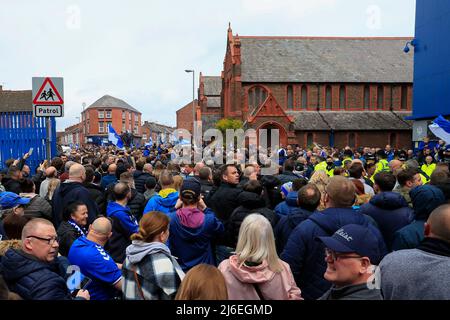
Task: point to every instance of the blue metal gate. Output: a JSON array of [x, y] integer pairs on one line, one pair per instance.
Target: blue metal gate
[[20, 131]]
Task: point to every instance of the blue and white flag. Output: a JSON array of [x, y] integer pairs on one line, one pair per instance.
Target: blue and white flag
[[441, 128], [114, 138]]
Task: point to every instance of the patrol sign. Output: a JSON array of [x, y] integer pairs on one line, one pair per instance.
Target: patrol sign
[[48, 97]]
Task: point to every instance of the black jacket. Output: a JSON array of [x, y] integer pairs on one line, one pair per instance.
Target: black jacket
[[98, 195], [249, 203], [33, 279], [68, 192], [224, 200], [206, 187], [139, 180], [272, 191], [67, 234]]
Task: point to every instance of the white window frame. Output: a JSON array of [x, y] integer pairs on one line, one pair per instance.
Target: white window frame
[[101, 127], [108, 114], [101, 114]]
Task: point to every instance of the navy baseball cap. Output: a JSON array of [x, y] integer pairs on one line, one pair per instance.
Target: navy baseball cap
[[191, 186], [354, 238], [10, 200]]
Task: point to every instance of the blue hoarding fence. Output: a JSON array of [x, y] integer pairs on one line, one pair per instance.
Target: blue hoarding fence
[[20, 131]]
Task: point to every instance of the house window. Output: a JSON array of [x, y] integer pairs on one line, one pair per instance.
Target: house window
[[144, 136], [309, 139], [393, 139], [124, 115], [124, 127], [256, 96], [101, 114], [380, 97], [404, 98], [366, 97], [108, 114], [100, 127], [342, 97], [328, 97], [304, 97], [351, 139], [109, 123], [135, 129], [290, 97]]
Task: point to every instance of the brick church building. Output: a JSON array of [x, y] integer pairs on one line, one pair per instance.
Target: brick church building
[[335, 91]]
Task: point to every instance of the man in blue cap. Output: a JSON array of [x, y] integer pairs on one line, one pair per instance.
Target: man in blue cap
[[351, 254], [11, 202]]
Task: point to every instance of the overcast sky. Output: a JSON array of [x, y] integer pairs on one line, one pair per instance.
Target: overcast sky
[[138, 50]]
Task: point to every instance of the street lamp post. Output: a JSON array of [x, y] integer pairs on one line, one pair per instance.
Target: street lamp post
[[193, 96]]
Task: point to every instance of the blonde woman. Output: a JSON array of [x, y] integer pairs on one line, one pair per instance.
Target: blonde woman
[[256, 272], [52, 185], [320, 179]]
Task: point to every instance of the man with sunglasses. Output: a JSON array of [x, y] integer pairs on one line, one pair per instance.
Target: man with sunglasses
[[351, 255], [35, 272]]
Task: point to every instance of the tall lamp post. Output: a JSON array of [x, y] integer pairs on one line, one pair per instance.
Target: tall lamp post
[[193, 96]]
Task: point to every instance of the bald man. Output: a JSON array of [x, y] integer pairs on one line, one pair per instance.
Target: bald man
[[421, 273], [35, 272], [89, 255], [50, 173], [395, 165], [73, 190]]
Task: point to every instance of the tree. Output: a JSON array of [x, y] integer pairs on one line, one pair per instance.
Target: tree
[[228, 123]]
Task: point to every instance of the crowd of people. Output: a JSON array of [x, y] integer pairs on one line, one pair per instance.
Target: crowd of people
[[138, 224]]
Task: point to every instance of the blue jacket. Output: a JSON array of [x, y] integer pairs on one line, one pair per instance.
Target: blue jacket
[[391, 213], [124, 225], [158, 203], [285, 226], [305, 254], [409, 237], [107, 180], [289, 206], [33, 279], [192, 246]]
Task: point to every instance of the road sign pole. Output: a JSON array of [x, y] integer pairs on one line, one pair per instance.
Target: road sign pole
[[48, 141]]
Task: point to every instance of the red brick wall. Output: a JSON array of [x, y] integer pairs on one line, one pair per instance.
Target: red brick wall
[[184, 118], [317, 95], [91, 116]]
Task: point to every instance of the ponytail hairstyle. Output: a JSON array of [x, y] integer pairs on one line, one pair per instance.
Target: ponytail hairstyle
[[151, 224]]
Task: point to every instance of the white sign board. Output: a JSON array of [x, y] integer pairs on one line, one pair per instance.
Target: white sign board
[[48, 97]]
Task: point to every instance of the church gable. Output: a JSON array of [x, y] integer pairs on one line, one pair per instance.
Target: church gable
[[269, 108]]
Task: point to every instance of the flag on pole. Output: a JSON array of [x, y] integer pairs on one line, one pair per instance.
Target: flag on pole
[[441, 128], [114, 138]]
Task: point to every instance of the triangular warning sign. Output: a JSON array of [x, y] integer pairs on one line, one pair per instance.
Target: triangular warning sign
[[47, 94]]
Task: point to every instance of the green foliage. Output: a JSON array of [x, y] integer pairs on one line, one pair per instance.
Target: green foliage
[[228, 123]]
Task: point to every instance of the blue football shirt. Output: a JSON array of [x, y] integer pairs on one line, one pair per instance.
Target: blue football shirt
[[95, 263]]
